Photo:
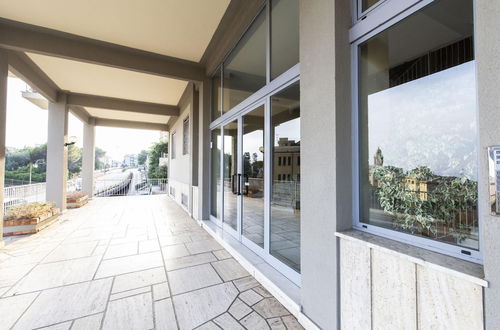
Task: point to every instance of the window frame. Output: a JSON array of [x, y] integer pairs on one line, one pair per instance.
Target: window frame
[[185, 136], [172, 148], [357, 38]]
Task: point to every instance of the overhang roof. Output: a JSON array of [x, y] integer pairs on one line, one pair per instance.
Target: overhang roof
[[181, 29], [177, 28]]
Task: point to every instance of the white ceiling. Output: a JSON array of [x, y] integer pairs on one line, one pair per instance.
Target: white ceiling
[[178, 28], [127, 115], [80, 77]]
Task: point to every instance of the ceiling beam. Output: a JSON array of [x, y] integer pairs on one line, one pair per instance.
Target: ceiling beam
[[23, 67], [111, 103], [81, 113], [30, 38], [236, 20], [130, 124]]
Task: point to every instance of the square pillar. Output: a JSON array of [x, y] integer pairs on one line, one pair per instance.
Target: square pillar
[[204, 93], [57, 152], [4, 68], [88, 159]]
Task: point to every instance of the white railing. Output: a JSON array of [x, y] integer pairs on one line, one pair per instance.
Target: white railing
[[28, 193]]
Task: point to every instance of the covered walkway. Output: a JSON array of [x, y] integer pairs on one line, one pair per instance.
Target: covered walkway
[[130, 262]]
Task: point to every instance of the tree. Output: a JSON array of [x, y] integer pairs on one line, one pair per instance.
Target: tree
[[99, 154], [74, 160], [156, 152], [142, 157]]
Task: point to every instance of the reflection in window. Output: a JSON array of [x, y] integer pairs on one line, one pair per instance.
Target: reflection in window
[[245, 69], [185, 136], [284, 35], [418, 130], [230, 172], [215, 186], [253, 176], [216, 95], [367, 4], [173, 145], [285, 192]]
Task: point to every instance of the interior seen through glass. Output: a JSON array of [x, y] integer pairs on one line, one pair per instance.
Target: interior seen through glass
[[418, 130]]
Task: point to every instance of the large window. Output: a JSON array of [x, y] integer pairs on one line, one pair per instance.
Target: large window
[[215, 184], [285, 200], [417, 127], [245, 68], [185, 136], [173, 145], [284, 35], [267, 49], [255, 182]]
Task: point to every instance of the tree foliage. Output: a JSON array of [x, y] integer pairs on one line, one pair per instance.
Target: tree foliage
[[17, 163], [142, 157], [155, 153], [423, 212]]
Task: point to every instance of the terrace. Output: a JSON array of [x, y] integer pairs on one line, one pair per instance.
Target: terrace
[[135, 262]]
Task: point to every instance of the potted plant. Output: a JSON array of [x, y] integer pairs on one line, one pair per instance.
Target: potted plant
[[29, 218], [76, 199]]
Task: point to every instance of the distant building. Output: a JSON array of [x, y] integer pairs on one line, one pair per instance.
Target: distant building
[[130, 160], [286, 165]]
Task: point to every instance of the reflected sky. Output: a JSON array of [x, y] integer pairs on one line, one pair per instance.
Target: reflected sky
[[430, 122]]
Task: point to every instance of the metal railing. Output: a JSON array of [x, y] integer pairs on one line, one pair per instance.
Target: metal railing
[[130, 187], [18, 195]]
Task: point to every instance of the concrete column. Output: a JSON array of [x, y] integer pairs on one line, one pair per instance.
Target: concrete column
[[4, 68], [325, 153], [204, 149], [57, 153], [487, 48], [88, 159]]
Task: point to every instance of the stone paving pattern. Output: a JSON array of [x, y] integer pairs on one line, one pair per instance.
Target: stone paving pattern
[[130, 263]]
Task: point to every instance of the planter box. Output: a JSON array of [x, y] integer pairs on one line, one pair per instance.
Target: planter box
[[74, 203], [29, 226]]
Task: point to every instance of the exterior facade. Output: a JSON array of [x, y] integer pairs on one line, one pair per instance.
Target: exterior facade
[[368, 81], [338, 149]]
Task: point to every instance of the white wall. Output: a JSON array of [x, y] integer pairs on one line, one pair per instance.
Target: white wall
[[180, 166]]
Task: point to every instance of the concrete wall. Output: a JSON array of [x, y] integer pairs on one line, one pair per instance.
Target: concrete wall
[[487, 39], [180, 168], [382, 288], [325, 148]]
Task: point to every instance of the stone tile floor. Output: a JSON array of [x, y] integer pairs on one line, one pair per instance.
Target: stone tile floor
[[130, 263]]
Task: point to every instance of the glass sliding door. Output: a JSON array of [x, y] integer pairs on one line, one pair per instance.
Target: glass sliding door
[[285, 193], [215, 186], [230, 175], [252, 158]]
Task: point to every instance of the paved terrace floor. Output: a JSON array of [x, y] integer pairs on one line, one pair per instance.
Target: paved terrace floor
[[130, 263]]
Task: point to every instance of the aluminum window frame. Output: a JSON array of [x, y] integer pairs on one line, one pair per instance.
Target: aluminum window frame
[[185, 136], [357, 38], [172, 148]]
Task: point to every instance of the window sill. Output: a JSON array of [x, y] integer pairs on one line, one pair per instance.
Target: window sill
[[456, 267]]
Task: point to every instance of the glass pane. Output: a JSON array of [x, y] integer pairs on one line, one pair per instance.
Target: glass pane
[[215, 185], [366, 4], [253, 176], [230, 174], [245, 68], [285, 200], [216, 93], [418, 130], [284, 35]]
